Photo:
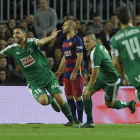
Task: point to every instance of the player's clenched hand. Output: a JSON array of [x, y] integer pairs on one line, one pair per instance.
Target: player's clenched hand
[[86, 95], [57, 74], [73, 76]]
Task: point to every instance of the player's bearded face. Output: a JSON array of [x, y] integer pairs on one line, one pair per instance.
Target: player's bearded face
[[18, 36], [19, 39]]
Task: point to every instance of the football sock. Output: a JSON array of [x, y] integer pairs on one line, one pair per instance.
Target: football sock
[[72, 105], [80, 110], [67, 112], [88, 110], [118, 104]]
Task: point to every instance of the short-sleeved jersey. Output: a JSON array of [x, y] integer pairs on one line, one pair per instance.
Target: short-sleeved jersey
[[32, 62], [70, 48], [100, 58], [126, 45]]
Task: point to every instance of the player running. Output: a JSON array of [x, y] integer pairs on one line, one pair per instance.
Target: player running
[[126, 46], [36, 69], [104, 76]]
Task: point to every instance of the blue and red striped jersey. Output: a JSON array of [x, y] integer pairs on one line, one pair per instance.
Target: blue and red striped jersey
[[71, 47]]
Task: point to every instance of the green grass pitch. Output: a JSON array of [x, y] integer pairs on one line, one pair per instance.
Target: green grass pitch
[[60, 132]]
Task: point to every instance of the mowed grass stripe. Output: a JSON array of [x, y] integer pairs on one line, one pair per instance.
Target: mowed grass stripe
[[60, 132]]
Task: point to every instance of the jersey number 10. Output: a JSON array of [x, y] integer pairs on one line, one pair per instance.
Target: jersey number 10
[[132, 45]]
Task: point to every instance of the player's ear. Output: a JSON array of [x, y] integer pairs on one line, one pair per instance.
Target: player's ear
[[94, 42], [25, 35]]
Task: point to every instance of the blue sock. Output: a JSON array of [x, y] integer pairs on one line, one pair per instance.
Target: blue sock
[[80, 110], [72, 105]]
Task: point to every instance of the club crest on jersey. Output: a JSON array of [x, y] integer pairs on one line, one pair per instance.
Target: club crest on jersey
[[70, 44], [27, 61]]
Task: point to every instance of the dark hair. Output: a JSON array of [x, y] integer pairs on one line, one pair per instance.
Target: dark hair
[[96, 15], [10, 37], [77, 20], [20, 27], [58, 47], [104, 24], [4, 69], [113, 14], [12, 19], [50, 56], [83, 23], [3, 57], [123, 15], [3, 24], [88, 33], [138, 23]]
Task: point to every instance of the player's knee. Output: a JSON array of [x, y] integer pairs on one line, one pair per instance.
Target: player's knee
[[43, 99], [43, 102], [77, 98], [59, 99]]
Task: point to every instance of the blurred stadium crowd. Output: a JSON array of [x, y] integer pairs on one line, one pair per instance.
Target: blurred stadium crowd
[[37, 26]]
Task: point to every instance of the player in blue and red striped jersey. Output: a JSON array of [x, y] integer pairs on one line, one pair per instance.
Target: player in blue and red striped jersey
[[71, 65]]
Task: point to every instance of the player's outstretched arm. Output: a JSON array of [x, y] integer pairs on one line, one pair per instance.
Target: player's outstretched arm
[[45, 40]]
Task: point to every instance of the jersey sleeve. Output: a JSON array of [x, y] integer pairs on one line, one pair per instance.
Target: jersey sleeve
[[34, 41], [78, 44], [7, 51], [113, 44], [114, 52], [95, 60]]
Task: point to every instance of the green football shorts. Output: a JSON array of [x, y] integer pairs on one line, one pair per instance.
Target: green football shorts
[[111, 90], [52, 87]]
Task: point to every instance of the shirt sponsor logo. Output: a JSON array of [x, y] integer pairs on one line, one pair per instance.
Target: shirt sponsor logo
[[27, 61], [67, 53]]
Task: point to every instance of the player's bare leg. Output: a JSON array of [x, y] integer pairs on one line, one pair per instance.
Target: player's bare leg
[[45, 100]]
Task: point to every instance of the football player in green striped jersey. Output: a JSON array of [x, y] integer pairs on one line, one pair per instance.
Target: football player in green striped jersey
[[36, 69], [104, 76], [125, 45]]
